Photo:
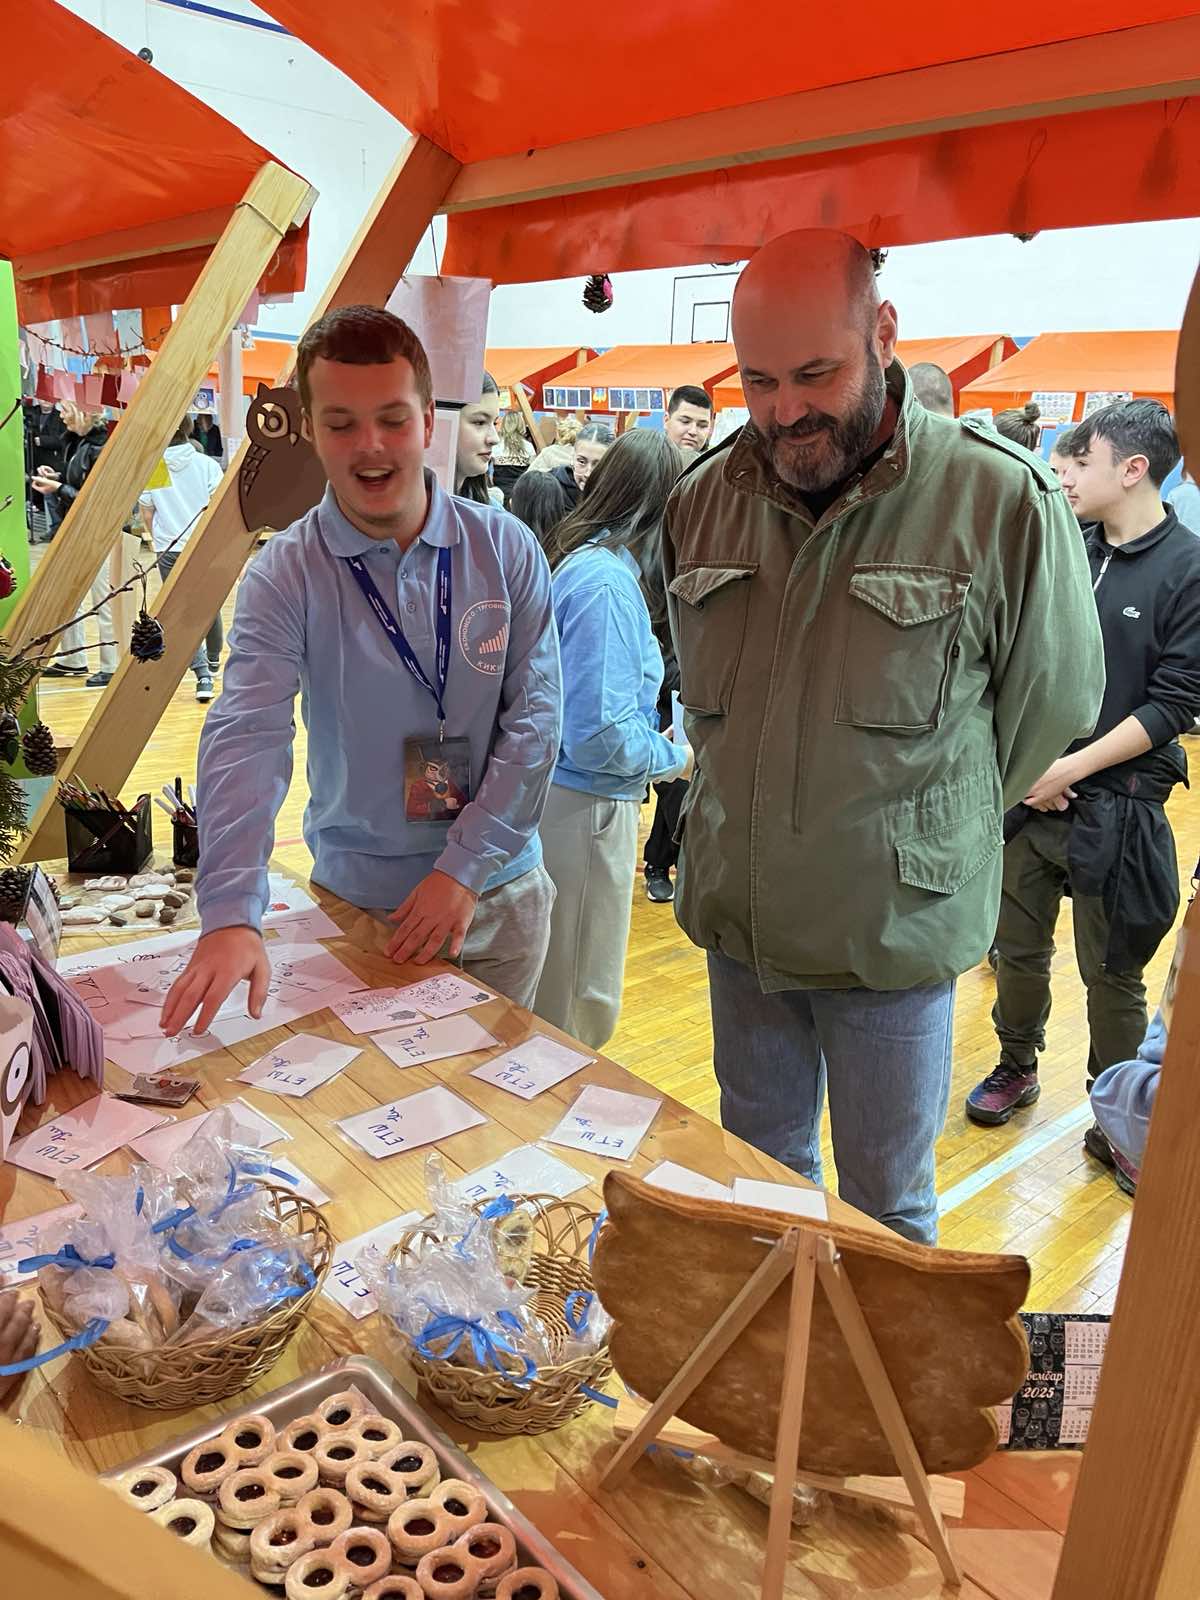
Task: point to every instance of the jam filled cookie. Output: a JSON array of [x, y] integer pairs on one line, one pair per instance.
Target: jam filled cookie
[[189, 1520], [146, 1488]]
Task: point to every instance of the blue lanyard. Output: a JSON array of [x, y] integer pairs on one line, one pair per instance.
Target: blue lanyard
[[395, 633]]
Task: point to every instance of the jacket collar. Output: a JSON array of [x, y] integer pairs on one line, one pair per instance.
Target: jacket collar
[[749, 468], [342, 538], [1143, 542]]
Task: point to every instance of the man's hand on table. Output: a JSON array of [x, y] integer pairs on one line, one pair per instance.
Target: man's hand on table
[[437, 912], [219, 963]]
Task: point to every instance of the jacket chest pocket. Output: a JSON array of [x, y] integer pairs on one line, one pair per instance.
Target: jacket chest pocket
[[710, 623], [901, 641]]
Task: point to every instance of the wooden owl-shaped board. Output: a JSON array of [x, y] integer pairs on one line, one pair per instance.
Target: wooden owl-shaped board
[[945, 1322], [280, 478]]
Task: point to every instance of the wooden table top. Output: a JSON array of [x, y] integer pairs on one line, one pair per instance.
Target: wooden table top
[[662, 1536]]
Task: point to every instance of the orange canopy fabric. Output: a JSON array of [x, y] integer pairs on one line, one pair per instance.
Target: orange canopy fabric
[[1081, 364], [659, 366], [509, 365], [263, 362], [113, 180], [962, 357], [967, 159], [521, 77]]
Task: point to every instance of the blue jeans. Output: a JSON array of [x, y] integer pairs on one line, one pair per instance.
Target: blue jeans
[[886, 1058]]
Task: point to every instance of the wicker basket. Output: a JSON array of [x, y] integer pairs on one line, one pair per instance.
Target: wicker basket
[[489, 1401], [205, 1370]]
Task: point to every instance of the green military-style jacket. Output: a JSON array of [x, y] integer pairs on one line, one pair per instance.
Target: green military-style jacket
[[866, 695]]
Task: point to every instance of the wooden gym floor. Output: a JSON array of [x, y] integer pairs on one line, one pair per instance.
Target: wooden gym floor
[[1026, 1187]]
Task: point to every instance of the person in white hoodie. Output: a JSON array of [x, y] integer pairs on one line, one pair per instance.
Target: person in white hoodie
[[170, 515]]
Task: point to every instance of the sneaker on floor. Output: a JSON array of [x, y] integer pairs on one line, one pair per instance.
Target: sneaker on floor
[[1125, 1173], [99, 680], [64, 672], [1095, 1142], [659, 887], [1006, 1089], [204, 691]]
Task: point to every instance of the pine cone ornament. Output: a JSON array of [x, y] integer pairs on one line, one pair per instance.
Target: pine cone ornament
[[14, 886], [10, 738], [147, 642], [38, 745], [8, 578], [598, 292]]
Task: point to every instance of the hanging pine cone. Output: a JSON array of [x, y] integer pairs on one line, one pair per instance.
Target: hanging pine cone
[[8, 578], [598, 292], [14, 886], [147, 643], [38, 745], [10, 738]]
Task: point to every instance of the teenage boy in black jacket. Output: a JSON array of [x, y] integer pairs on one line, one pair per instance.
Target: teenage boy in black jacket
[[1095, 821]]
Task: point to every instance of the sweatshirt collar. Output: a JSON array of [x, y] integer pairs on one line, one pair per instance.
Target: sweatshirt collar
[[1144, 541], [342, 538]]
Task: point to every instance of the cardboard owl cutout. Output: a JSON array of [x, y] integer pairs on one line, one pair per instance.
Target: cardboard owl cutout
[[281, 478]]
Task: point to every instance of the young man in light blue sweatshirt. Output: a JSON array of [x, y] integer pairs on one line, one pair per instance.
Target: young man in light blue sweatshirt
[[418, 629]]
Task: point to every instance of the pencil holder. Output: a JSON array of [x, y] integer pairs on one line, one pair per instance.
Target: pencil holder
[[185, 848], [102, 842]]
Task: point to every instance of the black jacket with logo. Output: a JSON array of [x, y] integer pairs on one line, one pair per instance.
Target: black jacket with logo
[[1148, 597]]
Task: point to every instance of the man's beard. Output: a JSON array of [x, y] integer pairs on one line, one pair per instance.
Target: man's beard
[[847, 439]]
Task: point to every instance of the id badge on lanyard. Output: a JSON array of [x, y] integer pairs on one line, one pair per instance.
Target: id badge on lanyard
[[437, 770]]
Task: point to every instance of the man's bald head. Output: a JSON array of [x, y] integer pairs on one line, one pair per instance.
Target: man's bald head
[[813, 340]]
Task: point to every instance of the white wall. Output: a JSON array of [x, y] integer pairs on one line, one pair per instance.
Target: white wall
[[306, 112]]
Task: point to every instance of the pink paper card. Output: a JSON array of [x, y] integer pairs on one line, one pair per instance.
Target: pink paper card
[[158, 1147], [84, 1136], [28, 1238], [373, 1010]]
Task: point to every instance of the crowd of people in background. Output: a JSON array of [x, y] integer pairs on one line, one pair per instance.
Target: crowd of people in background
[[990, 719]]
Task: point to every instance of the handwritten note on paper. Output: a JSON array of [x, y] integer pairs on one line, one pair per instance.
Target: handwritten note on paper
[[301, 927], [434, 1041], [82, 1137], [443, 995], [529, 1068], [682, 1180], [28, 1238], [418, 1119], [255, 1130], [606, 1122], [371, 1010], [345, 1284], [299, 1066], [780, 1197], [525, 1170]]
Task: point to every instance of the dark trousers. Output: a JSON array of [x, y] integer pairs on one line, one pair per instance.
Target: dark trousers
[[662, 853], [1035, 880], [209, 648]]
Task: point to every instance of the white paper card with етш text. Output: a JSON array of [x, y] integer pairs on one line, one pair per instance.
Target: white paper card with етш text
[[28, 1237], [345, 1284], [525, 1170], [434, 1041], [82, 1137], [606, 1123], [682, 1180], [530, 1068], [300, 1065], [254, 1129], [418, 1119]]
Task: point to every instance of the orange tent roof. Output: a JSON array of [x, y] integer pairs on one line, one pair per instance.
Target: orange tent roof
[[263, 362], [115, 181], [659, 145], [1141, 361], [660, 366], [509, 366], [958, 355]]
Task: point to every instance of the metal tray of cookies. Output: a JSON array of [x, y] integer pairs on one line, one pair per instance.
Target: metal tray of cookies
[[390, 1400]]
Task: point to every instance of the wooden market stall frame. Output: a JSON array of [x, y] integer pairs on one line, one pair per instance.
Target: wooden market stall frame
[[1135, 1527]]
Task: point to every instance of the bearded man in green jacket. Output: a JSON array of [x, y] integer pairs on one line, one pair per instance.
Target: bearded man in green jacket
[[886, 633]]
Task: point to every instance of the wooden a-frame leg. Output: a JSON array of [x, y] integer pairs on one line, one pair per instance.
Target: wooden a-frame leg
[[791, 1415], [130, 709], [757, 1290], [844, 1304]]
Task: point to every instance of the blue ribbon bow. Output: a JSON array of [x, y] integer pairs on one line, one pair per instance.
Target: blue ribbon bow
[[577, 1308], [67, 1257], [487, 1347]]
